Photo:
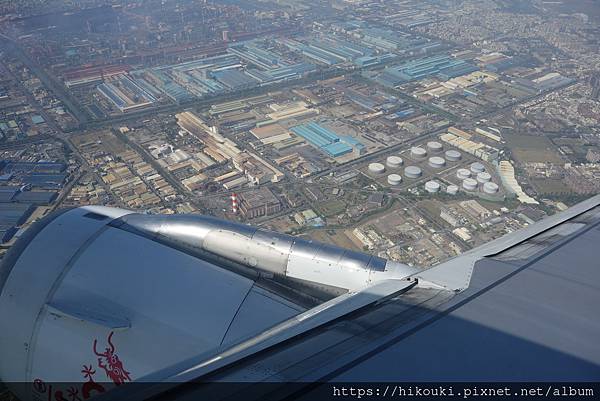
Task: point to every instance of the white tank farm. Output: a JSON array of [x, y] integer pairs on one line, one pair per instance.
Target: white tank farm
[[452, 189], [434, 146], [418, 152], [394, 179], [376, 168], [463, 173], [453, 155], [437, 162], [394, 161], [470, 184], [477, 167], [412, 172], [490, 188], [432, 186], [484, 177]]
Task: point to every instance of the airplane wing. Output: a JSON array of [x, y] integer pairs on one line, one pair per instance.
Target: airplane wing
[[520, 308], [169, 301]]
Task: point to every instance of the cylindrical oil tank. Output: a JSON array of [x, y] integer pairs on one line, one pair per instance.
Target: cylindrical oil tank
[[432, 186], [418, 152], [394, 179], [412, 172], [463, 173], [376, 168], [477, 168], [490, 188], [434, 146], [470, 184], [437, 162], [452, 189], [394, 161], [483, 177], [453, 155]]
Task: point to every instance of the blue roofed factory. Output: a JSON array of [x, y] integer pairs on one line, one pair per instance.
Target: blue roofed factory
[[13, 215], [328, 141], [442, 66]]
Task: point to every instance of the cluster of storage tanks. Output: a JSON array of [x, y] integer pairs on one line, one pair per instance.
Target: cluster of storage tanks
[[392, 163], [476, 177], [471, 178], [433, 150]]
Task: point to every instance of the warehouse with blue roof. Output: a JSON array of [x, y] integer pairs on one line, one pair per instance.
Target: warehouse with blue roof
[[328, 141], [442, 66], [13, 215]]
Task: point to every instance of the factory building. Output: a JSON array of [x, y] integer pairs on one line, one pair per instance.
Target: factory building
[[13, 215], [478, 149], [235, 79], [450, 217], [125, 94], [258, 203], [329, 142], [442, 66]]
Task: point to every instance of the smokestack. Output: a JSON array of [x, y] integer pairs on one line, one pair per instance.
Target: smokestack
[[234, 203]]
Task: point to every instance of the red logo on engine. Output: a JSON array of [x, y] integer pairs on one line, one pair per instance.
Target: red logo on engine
[[110, 362]]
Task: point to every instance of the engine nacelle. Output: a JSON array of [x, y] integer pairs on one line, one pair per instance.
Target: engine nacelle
[[100, 296]]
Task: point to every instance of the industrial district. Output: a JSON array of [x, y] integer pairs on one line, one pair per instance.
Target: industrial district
[[414, 130]]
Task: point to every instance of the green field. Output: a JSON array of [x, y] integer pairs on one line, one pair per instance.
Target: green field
[[332, 207], [532, 149], [549, 186]]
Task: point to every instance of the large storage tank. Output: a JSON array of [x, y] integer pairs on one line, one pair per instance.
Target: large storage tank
[[376, 168], [453, 155], [463, 173], [394, 162], [470, 184], [432, 186], [412, 172], [483, 177], [477, 167], [437, 162], [452, 189], [490, 188], [418, 152], [394, 179], [434, 146]]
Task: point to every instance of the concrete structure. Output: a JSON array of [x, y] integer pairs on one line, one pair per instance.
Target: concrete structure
[[259, 202], [376, 168], [394, 161], [507, 172], [437, 162], [394, 179], [413, 172], [453, 155], [470, 184]]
